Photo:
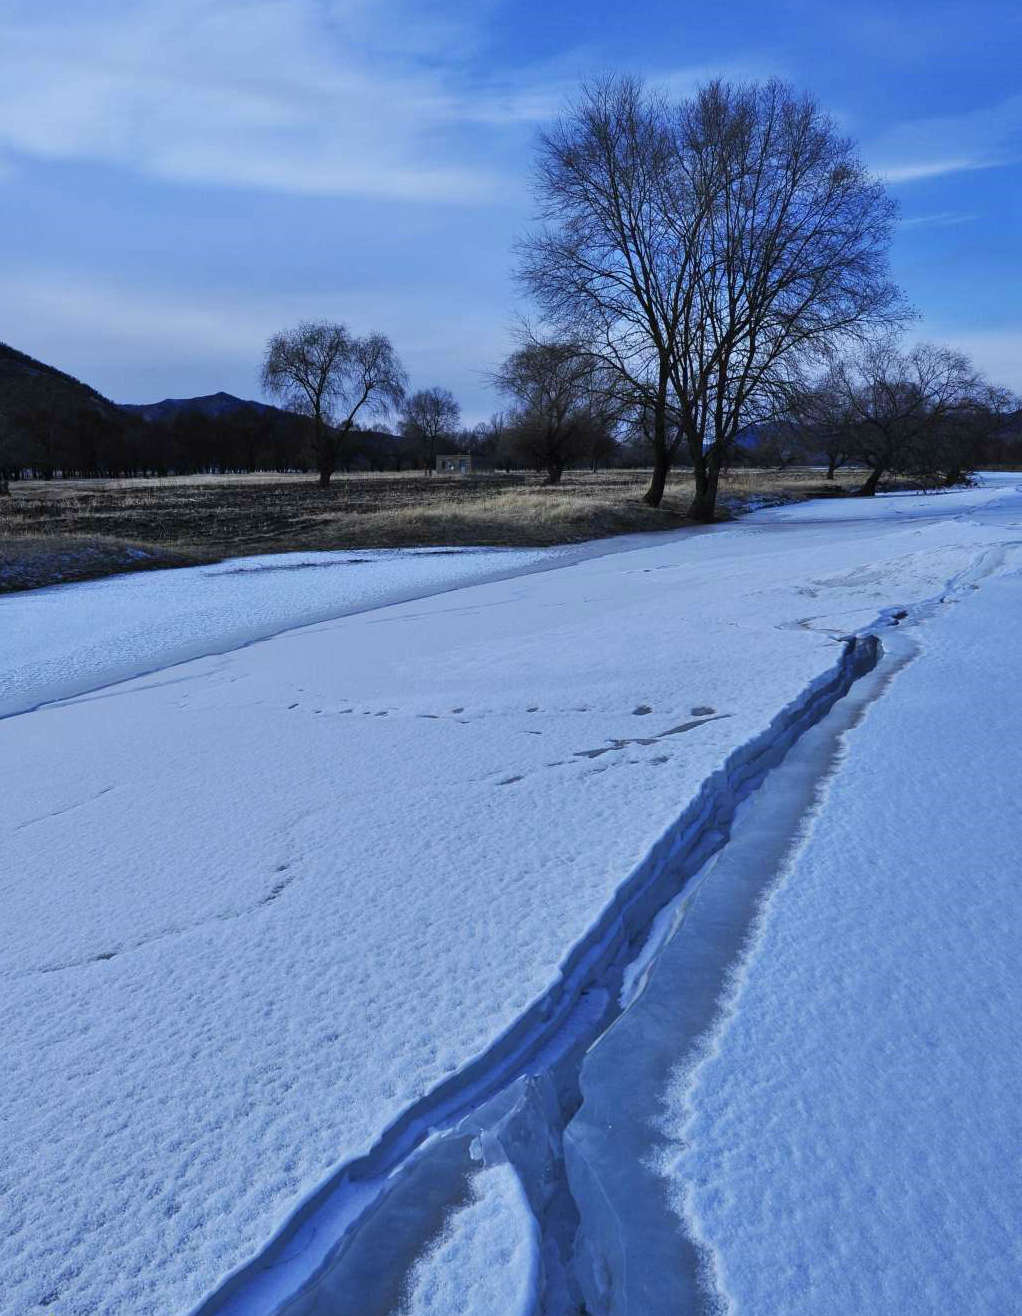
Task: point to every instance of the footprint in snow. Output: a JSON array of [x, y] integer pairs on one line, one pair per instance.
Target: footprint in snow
[[703, 715]]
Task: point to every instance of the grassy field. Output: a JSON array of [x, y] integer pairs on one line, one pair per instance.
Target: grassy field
[[72, 530]]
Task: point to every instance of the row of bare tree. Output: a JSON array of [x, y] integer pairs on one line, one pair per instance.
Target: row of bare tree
[[562, 408], [702, 268], [926, 413]]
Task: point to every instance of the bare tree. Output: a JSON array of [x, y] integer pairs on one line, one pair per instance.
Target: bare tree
[[775, 445], [710, 250], [322, 371], [7, 455], [430, 415], [488, 441], [820, 416], [835, 449], [554, 391], [919, 412], [605, 259]]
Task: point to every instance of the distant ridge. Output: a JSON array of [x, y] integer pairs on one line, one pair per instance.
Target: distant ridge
[[212, 404]]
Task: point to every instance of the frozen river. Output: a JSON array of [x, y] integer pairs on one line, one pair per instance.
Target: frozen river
[[274, 911]]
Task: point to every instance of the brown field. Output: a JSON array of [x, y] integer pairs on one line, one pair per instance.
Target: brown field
[[76, 529]]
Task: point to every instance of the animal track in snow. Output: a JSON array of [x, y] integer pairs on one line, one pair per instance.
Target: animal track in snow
[[226, 916], [617, 743]]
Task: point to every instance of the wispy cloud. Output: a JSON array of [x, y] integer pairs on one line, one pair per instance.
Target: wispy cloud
[[928, 148], [368, 98], [345, 98], [914, 172], [941, 219]]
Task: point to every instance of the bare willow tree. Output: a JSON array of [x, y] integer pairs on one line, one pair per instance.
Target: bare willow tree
[[819, 412], [921, 412], [709, 250], [430, 415], [322, 371], [557, 402]]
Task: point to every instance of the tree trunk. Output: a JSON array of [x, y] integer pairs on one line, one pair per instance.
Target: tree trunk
[[326, 453], [831, 467], [706, 469], [661, 468], [872, 480], [661, 457], [554, 471]]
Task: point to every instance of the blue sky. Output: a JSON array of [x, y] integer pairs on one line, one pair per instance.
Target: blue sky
[[180, 178]]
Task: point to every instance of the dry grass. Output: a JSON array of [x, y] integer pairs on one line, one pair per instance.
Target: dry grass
[[32, 561], [93, 527]]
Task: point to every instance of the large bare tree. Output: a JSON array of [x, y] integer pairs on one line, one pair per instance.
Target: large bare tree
[[709, 250], [323, 371], [430, 415]]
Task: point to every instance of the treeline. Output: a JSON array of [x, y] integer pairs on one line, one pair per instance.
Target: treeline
[[88, 443], [85, 441], [559, 419]]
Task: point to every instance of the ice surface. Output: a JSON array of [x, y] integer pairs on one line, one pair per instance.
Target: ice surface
[[487, 1261], [631, 1256], [62, 641], [258, 904], [850, 1142]]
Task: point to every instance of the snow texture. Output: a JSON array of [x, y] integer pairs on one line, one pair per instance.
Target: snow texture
[[260, 904], [488, 1258], [851, 1138], [63, 641]]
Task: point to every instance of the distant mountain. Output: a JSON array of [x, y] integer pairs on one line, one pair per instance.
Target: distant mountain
[[52, 424], [31, 388], [213, 404]]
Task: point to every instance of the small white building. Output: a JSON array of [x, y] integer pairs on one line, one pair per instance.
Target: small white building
[[454, 463]]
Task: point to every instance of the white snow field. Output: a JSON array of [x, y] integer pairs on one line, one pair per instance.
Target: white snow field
[[263, 906], [853, 1137], [66, 640]]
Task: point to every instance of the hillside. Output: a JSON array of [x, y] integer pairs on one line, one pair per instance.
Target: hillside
[[30, 387]]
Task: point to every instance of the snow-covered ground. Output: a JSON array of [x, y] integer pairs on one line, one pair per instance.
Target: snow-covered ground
[[853, 1138], [66, 640], [259, 906]]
